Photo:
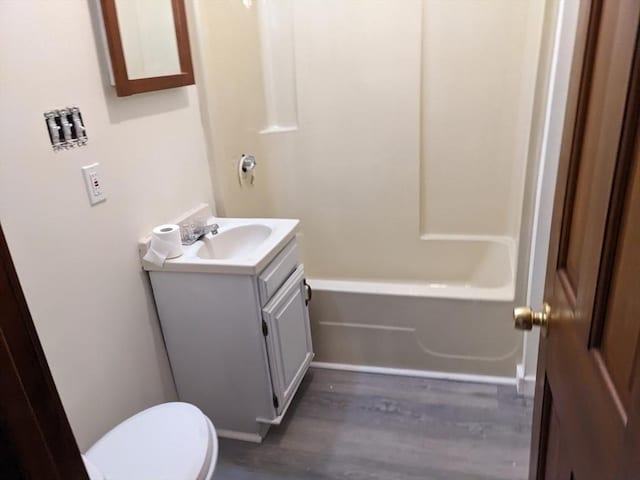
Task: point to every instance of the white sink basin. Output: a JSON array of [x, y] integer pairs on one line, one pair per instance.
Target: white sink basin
[[235, 242], [242, 245]]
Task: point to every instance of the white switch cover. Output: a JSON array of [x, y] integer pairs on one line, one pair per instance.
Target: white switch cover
[[93, 182]]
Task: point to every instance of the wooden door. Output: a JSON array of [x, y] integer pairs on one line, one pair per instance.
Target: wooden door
[[587, 409], [36, 441]]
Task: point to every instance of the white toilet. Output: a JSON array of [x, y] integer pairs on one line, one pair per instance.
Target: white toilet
[[172, 441]]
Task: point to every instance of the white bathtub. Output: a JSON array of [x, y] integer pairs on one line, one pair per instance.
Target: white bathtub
[[453, 324]]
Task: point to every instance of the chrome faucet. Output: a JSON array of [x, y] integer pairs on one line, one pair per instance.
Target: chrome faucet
[[192, 233], [212, 229]]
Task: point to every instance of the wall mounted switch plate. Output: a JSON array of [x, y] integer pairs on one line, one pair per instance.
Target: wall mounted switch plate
[[66, 128], [93, 182]]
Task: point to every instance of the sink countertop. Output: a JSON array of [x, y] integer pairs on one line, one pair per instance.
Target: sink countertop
[[252, 263]]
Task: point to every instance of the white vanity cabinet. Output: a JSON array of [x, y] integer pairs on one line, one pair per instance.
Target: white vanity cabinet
[[239, 344]]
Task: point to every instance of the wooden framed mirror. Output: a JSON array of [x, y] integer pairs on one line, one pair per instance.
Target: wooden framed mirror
[[148, 44]]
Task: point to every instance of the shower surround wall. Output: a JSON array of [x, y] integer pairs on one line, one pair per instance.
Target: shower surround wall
[[406, 165]]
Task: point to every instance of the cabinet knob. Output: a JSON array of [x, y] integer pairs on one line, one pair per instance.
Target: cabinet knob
[[309, 292]]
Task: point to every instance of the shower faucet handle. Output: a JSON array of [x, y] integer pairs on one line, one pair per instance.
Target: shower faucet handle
[[247, 163]]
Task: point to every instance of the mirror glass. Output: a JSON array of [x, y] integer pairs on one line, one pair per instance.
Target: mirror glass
[[148, 33]]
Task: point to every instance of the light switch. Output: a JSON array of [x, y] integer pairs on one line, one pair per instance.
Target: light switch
[[66, 128], [93, 182]]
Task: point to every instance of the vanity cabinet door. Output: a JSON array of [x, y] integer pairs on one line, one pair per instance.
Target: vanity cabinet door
[[288, 338]]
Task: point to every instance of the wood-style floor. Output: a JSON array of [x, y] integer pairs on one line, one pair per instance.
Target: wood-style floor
[[362, 426]]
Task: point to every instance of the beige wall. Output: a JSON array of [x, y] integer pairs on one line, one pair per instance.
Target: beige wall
[[228, 65], [413, 119], [78, 264], [478, 76], [351, 170]]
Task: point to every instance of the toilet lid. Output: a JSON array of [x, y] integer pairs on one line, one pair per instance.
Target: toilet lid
[[172, 441], [92, 470]]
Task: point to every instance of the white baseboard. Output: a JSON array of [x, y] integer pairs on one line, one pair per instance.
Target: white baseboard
[[403, 372], [525, 384], [245, 437]]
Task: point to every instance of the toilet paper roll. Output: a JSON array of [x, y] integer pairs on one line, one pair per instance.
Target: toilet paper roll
[[165, 243]]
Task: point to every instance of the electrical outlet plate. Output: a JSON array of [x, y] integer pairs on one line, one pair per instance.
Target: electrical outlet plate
[[93, 182]]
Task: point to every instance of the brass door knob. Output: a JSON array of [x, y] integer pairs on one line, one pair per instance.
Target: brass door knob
[[525, 318]]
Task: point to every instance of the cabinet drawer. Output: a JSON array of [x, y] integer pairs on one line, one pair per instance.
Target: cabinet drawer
[[277, 272]]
